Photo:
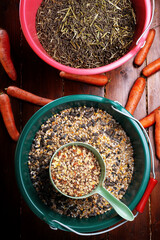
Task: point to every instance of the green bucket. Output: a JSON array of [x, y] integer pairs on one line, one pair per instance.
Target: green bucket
[[141, 169]]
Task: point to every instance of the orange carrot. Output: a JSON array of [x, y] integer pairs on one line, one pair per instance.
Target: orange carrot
[[5, 57], [99, 80], [135, 94], [149, 120], [157, 132], [27, 96], [151, 68], [142, 54], [8, 118]]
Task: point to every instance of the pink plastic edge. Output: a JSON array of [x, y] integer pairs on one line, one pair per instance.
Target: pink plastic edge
[[81, 71]]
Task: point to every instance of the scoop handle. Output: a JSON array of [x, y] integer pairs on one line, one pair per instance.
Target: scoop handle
[[118, 206]]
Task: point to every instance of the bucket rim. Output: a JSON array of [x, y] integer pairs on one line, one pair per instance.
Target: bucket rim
[[19, 174], [81, 71]]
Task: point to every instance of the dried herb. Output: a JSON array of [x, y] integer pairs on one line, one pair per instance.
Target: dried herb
[[85, 33]]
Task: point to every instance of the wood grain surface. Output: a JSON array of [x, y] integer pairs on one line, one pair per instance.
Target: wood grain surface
[[36, 76]]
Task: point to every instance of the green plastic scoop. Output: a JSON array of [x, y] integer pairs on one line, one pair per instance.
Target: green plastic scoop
[[118, 206]]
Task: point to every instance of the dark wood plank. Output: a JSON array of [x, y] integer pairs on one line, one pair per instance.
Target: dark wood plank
[[36, 76], [154, 102], [156, 20], [122, 79], [10, 197], [43, 80], [71, 87]]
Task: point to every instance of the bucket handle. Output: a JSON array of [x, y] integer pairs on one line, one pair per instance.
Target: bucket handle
[[152, 181], [147, 28], [141, 204], [90, 234]]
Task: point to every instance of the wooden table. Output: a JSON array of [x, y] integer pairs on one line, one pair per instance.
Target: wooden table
[[36, 76]]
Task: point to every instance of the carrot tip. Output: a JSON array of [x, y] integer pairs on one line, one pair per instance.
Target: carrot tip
[[61, 74]]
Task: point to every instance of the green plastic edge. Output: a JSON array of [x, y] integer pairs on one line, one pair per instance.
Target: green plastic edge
[[100, 159], [26, 129]]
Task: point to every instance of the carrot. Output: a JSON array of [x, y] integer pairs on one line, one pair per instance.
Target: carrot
[[8, 118], [27, 96], [151, 68], [5, 57], [135, 94], [149, 120], [142, 54], [99, 80], [157, 132]]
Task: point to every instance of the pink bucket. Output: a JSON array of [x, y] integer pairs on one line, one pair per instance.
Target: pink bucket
[[28, 9]]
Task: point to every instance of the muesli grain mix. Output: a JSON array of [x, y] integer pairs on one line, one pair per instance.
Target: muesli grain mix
[[97, 128], [75, 171]]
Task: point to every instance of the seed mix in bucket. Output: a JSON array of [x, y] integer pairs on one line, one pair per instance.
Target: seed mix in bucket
[[97, 128], [86, 33]]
